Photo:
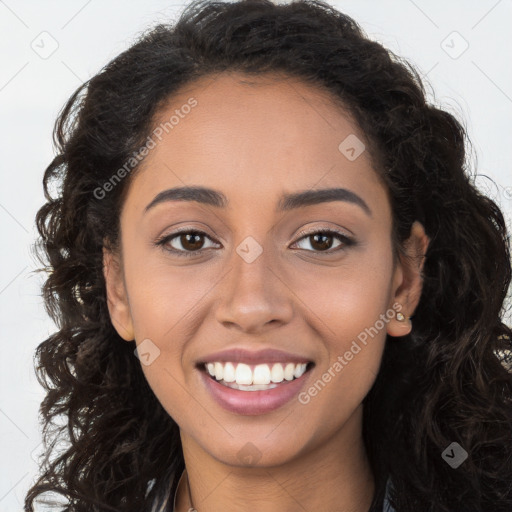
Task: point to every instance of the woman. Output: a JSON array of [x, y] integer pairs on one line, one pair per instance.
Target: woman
[[276, 286]]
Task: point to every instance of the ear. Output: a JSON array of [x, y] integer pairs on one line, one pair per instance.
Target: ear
[[408, 280], [117, 298]]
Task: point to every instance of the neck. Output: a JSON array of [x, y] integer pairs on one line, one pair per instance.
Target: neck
[[334, 476]]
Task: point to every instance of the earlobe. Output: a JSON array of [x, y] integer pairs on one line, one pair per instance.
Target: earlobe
[[408, 281], [117, 299]]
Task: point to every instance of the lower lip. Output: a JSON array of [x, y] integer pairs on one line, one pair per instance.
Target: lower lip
[[253, 402]]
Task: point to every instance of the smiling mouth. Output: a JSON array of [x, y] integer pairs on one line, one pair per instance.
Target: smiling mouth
[[250, 377]]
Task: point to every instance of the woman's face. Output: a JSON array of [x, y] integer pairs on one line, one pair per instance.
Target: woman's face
[[252, 282]]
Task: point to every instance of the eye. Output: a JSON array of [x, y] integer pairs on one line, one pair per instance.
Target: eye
[[190, 242], [183, 242], [321, 240]]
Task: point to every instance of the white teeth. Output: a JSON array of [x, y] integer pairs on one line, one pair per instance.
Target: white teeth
[[277, 373], [243, 374], [288, 371], [262, 375], [254, 387], [299, 370], [219, 371], [229, 372]]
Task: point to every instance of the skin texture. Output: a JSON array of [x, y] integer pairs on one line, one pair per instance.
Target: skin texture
[[254, 142]]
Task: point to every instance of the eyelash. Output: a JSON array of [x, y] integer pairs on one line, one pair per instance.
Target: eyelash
[[162, 241]]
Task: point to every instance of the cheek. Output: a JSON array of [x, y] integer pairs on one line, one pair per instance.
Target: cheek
[[344, 300], [163, 298], [348, 308], [163, 304]]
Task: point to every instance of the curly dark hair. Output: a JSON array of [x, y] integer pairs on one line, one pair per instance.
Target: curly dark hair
[[450, 381]]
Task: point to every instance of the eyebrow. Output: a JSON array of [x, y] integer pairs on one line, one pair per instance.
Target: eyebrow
[[287, 202]]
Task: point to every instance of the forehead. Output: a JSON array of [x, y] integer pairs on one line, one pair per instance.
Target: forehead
[[254, 137]]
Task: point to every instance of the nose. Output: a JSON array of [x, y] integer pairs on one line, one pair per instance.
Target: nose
[[253, 295]]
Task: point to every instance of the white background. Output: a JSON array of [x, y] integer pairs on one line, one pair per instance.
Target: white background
[[476, 87]]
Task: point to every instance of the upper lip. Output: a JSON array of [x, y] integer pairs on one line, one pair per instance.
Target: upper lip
[[268, 355]]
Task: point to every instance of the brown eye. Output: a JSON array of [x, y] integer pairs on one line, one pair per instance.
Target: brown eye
[[323, 240], [191, 241], [184, 243]]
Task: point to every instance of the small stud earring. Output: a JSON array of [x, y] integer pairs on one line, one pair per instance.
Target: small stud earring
[[400, 317]]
